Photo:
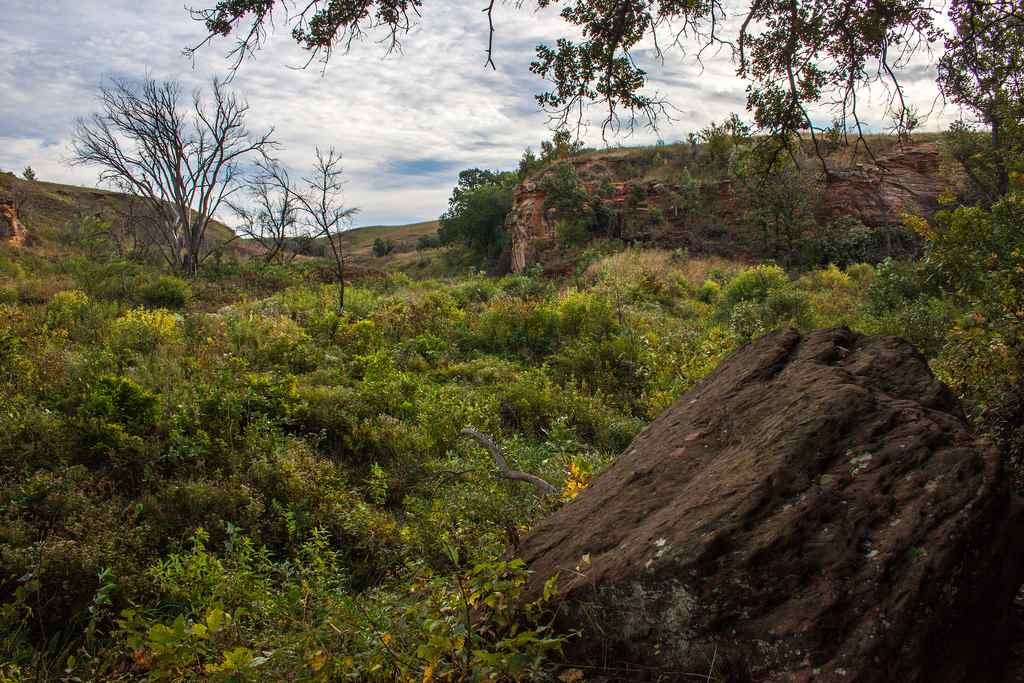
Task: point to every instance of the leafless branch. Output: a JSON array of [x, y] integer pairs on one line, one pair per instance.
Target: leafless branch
[[504, 471], [182, 162]]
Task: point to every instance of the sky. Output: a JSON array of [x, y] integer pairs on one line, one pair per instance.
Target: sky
[[406, 123]]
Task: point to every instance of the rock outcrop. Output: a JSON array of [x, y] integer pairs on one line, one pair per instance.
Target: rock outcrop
[[908, 180], [11, 230], [817, 509], [878, 194]]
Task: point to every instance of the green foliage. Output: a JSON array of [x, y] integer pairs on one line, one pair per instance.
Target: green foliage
[[982, 69], [755, 285], [721, 139], [166, 291], [113, 422], [424, 242], [847, 241], [140, 330], [562, 146], [571, 232], [476, 212], [776, 202], [277, 490], [382, 247]]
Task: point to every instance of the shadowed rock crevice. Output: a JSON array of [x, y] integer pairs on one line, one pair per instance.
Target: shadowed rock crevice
[[816, 509]]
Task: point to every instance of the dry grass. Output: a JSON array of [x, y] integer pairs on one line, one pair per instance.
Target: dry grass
[[654, 264]]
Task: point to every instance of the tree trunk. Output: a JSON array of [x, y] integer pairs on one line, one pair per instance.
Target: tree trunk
[[340, 264], [1002, 173]]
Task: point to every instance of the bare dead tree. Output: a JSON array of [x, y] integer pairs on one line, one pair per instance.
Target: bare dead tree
[[323, 212], [272, 218], [183, 161], [504, 471], [132, 230]]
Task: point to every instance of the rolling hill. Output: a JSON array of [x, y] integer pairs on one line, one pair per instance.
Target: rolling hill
[[49, 211], [403, 237]]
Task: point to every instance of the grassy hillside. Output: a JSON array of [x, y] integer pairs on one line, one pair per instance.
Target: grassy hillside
[[49, 210], [403, 237]]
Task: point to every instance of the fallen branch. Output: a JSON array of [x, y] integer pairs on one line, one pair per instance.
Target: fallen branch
[[505, 472]]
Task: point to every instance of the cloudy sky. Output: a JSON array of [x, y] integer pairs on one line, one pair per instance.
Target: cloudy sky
[[406, 124]]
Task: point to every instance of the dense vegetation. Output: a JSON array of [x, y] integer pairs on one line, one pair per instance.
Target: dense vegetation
[[228, 478]]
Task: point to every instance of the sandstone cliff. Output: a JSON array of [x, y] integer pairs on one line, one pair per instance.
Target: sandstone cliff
[[649, 209]]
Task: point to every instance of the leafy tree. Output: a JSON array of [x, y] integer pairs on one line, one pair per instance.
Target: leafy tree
[[184, 162], [382, 247], [778, 205], [719, 139], [561, 146], [795, 53], [476, 211], [424, 242], [982, 70], [529, 164], [28, 173]]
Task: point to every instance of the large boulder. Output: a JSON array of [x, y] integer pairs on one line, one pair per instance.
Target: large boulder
[[816, 509]]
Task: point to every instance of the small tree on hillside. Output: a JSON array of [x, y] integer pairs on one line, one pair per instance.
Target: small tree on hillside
[[272, 219], [183, 161], [28, 173], [323, 212], [382, 247]]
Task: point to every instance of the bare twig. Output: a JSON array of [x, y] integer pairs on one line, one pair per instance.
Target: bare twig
[[506, 472]]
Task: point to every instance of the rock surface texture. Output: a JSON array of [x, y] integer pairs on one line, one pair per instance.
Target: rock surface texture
[[817, 509], [908, 180], [877, 194], [11, 231]]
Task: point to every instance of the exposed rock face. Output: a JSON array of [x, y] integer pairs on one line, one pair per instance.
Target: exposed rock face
[[11, 231], [527, 223], [816, 509], [908, 180]]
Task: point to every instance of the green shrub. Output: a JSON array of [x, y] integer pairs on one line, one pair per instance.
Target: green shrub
[[782, 307], [478, 290], [895, 284], [709, 292], [166, 292], [753, 284], [516, 328], [66, 309], [272, 341], [143, 331], [112, 421], [382, 247], [863, 274], [571, 232], [847, 241], [924, 321]]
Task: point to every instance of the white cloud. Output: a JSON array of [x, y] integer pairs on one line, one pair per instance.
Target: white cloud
[[406, 123]]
